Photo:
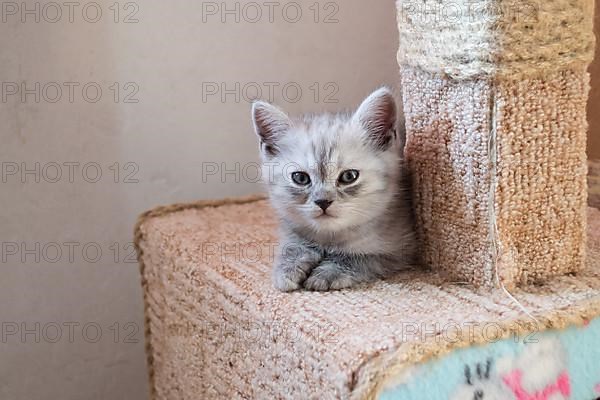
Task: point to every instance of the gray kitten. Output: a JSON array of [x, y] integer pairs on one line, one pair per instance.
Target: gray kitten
[[337, 183]]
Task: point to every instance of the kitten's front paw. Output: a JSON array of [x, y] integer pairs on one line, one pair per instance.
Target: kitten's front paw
[[288, 278], [328, 275]]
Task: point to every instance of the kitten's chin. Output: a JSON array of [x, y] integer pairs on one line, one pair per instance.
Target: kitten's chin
[[325, 220], [323, 217], [327, 223]]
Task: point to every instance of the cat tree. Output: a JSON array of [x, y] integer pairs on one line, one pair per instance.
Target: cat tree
[[495, 109], [495, 99]]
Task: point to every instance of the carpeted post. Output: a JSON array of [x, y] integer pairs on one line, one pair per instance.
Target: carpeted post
[[495, 96]]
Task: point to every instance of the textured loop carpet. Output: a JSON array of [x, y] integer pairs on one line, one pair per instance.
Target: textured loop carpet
[[216, 328], [494, 94], [594, 183], [521, 218]]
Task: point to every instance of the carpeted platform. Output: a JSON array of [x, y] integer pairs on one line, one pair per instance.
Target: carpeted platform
[[217, 329]]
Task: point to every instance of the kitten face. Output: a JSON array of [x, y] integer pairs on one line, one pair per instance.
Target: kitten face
[[330, 172]]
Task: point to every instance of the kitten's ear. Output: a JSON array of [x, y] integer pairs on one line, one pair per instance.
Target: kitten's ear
[[269, 124], [377, 115]]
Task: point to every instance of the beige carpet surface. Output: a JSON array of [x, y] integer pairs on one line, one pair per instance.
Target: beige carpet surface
[[494, 96], [513, 211], [217, 329], [594, 183]]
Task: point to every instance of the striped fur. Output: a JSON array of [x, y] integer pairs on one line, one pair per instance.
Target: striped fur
[[367, 231]]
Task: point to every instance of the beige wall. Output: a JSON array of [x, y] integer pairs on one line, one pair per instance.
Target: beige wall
[[594, 104], [166, 136]]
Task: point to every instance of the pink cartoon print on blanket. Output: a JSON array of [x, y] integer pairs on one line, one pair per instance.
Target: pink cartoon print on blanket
[[539, 372]]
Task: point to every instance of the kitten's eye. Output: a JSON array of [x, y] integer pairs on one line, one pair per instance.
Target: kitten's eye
[[348, 176], [301, 178]]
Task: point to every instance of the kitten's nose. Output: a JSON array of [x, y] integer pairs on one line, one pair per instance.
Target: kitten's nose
[[323, 203]]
